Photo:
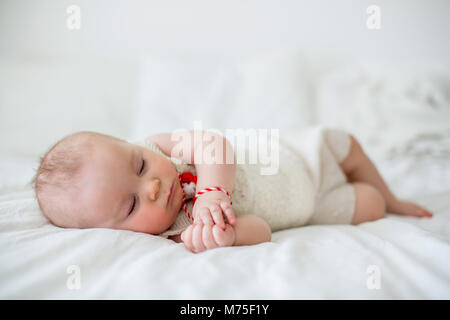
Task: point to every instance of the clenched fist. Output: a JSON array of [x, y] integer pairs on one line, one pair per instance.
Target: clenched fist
[[211, 208], [199, 237]]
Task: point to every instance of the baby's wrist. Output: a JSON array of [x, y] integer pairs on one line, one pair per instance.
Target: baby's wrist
[[214, 192]]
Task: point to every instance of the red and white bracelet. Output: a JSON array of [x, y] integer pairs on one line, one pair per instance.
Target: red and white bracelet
[[188, 177], [211, 189]]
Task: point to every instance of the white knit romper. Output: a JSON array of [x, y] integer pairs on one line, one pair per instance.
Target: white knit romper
[[299, 193]]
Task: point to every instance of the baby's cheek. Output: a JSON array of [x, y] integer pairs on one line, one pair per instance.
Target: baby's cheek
[[161, 219], [145, 222]]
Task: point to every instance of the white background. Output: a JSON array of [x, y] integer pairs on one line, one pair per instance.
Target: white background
[[141, 67], [54, 81]]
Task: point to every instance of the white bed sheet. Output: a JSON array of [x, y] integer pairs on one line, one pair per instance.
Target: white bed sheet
[[313, 262]]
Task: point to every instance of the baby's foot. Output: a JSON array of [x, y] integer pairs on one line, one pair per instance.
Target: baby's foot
[[408, 208]]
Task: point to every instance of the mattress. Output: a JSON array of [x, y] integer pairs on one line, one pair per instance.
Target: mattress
[[392, 258]]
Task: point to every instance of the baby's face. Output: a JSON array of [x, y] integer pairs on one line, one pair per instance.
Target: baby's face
[[126, 186]]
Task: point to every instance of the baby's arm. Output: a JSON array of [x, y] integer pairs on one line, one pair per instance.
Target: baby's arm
[[247, 230], [251, 229], [215, 168]]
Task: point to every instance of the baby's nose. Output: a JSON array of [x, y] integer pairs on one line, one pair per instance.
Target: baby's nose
[[153, 189]]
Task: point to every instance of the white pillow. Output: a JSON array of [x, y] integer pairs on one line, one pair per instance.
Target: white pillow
[[268, 91], [385, 110]]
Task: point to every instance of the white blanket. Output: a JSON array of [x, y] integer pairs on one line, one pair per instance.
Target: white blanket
[[392, 258], [395, 257]]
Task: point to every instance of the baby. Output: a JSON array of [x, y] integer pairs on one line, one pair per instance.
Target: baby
[[91, 180]]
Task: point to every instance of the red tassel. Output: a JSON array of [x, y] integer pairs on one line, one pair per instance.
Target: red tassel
[[188, 177]]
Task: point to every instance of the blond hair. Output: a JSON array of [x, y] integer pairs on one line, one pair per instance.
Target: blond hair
[[56, 181]]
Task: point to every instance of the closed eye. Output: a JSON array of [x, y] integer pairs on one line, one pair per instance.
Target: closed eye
[[133, 204], [142, 166]]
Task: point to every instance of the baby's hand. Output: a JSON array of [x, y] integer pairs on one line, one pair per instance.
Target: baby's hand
[[200, 237], [210, 207]]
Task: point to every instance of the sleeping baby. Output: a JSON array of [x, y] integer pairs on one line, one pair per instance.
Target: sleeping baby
[[165, 186]]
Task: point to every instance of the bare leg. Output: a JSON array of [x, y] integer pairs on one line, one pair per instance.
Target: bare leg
[[370, 204], [359, 168]]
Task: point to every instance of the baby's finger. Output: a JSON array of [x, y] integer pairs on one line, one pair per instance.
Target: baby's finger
[[229, 213], [197, 239], [208, 238], [217, 215], [205, 216], [186, 237], [219, 235], [224, 237], [198, 215]]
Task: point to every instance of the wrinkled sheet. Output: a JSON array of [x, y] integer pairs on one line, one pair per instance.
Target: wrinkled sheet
[[392, 258]]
